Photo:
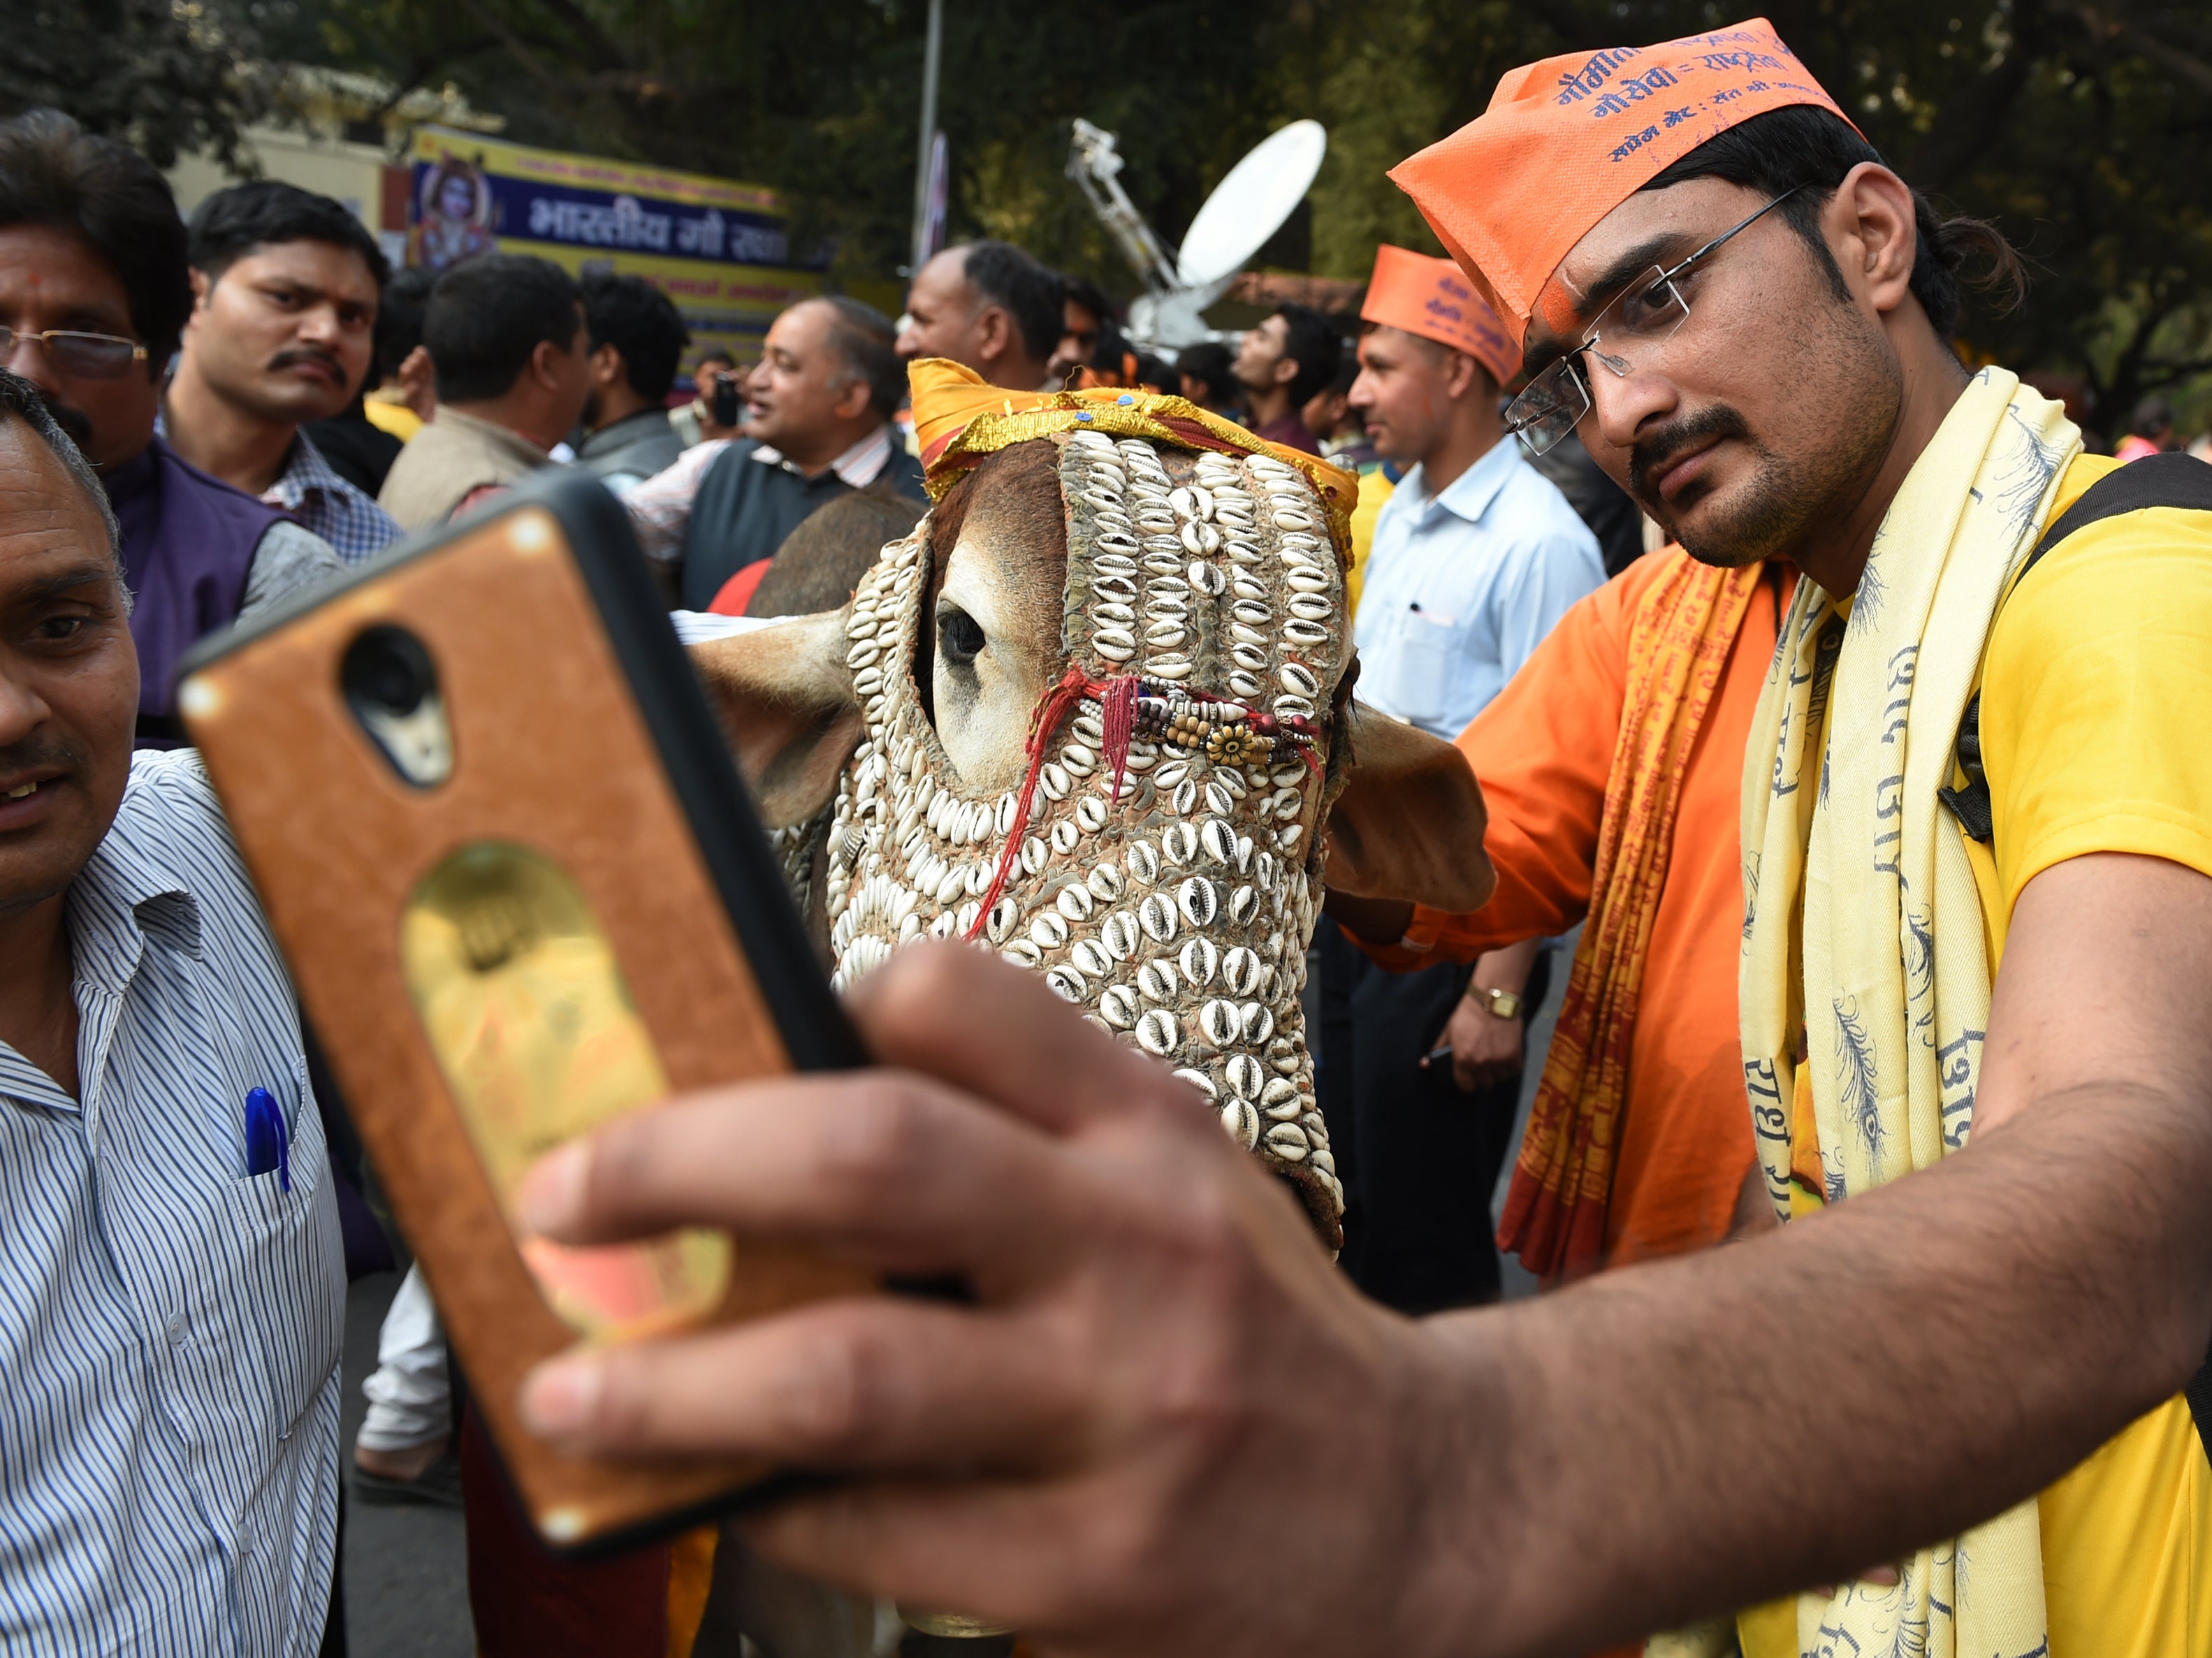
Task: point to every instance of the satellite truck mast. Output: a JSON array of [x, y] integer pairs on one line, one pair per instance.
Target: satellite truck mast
[[1246, 208], [1096, 164]]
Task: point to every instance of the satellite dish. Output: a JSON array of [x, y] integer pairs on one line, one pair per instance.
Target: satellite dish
[[1248, 207], [1251, 204]]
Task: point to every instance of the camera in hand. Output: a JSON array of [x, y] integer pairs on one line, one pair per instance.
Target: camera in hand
[[728, 406]]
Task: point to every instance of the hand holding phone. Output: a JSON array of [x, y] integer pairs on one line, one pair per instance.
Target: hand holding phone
[[522, 891]]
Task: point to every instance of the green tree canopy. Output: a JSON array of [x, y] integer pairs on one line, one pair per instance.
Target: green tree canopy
[[2078, 126], [163, 75]]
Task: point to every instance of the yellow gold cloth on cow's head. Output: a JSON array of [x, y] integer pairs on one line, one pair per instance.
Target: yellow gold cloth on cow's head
[[959, 419]]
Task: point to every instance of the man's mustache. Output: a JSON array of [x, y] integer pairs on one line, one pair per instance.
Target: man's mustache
[[1655, 450], [42, 751], [308, 354]]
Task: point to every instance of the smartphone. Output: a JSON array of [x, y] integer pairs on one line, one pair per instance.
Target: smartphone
[[728, 406], [522, 891]]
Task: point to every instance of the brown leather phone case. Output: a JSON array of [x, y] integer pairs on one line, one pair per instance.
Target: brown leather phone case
[[558, 676]]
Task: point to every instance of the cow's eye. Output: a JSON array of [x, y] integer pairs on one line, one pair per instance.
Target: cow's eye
[[959, 637]]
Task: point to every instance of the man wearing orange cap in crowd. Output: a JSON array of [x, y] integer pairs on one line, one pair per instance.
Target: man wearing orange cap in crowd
[[1976, 1013], [1476, 556]]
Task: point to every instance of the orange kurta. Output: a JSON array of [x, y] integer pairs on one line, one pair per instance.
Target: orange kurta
[[1542, 750]]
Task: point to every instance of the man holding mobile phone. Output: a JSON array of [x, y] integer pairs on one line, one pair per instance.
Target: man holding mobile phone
[[818, 410], [1956, 1404]]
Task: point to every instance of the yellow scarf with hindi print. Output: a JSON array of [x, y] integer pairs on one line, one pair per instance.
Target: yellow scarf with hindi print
[[1894, 993]]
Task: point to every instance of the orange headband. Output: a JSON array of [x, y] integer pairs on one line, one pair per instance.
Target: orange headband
[[1567, 141], [1430, 298], [959, 419]]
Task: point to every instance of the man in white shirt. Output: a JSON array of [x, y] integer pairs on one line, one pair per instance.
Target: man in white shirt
[[1475, 557], [818, 425]]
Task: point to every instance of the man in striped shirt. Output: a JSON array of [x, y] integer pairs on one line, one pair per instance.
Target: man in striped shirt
[[170, 1311]]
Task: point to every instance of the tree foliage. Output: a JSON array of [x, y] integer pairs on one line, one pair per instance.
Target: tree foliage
[[163, 75], [2079, 126]]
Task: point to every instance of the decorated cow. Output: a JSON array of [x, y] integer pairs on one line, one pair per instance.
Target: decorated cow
[[1094, 715]]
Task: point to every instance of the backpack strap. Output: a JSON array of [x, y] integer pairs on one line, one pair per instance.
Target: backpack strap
[[2166, 480], [2198, 1393]]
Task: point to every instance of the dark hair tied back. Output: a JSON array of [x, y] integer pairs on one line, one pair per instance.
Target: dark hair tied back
[[1958, 253]]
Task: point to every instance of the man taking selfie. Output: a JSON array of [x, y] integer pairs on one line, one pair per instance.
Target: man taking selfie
[[1941, 1409]]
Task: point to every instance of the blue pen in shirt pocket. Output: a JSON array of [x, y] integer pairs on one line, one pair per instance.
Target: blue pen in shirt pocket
[[268, 1140]]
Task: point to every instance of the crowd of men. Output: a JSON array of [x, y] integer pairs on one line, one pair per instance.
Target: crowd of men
[[1956, 1399]]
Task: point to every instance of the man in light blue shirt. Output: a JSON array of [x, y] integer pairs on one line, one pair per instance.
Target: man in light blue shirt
[[171, 1293], [1476, 556], [1466, 578]]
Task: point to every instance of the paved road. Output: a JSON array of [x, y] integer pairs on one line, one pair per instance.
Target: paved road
[[406, 1569]]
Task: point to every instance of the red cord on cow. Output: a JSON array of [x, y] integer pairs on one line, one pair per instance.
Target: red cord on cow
[[1118, 724], [1119, 696]]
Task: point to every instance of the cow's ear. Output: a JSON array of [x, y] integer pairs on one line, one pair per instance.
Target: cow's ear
[[1409, 822], [787, 703]]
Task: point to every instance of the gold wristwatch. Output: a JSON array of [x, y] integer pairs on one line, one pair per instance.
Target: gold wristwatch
[[1498, 1004]]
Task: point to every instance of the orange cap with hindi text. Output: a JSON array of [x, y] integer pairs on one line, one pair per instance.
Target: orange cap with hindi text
[[1430, 297], [1567, 141]]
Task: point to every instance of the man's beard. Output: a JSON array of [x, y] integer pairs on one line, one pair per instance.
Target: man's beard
[[1784, 498]]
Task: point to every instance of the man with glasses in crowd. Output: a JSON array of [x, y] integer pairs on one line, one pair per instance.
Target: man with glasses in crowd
[[1976, 1025], [95, 290], [1611, 768]]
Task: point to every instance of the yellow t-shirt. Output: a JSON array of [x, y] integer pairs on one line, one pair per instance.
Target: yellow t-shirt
[[1375, 489], [389, 414], [2098, 671]]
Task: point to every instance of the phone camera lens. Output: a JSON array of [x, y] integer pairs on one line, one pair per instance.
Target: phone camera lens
[[387, 669], [392, 686]]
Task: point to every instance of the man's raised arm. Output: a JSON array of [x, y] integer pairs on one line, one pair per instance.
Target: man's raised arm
[[1167, 1427]]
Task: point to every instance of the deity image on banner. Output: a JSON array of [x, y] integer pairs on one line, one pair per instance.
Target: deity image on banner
[[454, 215]]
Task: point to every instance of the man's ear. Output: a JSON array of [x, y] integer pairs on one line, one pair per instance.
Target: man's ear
[[1286, 370], [994, 332], [853, 402], [1464, 378], [788, 707], [542, 368], [201, 288], [1409, 822], [1872, 211], [607, 366]]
